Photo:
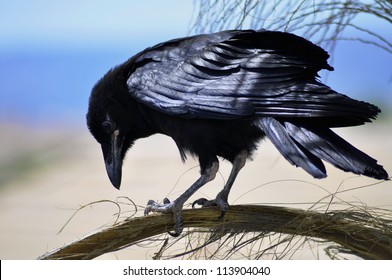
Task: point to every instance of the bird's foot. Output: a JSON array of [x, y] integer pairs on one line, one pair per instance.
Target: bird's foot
[[220, 201], [168, 207]]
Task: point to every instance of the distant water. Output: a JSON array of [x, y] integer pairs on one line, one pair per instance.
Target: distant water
[[45, 87]]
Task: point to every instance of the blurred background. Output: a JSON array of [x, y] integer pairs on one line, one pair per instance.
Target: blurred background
[[51, 55]]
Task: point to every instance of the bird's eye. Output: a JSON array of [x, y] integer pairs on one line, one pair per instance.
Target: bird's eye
[[108, 126]]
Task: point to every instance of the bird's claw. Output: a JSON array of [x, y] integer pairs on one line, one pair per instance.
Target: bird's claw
[[203, 202], [219, 201], [168, 207]]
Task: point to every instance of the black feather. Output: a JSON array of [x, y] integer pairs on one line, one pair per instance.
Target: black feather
[[292, 151], [219, 94], [325, 144]]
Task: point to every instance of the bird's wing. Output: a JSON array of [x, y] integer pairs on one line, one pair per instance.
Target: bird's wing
[[236, 74]]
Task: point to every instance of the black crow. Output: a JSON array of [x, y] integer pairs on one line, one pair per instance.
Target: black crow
[[218, 95]]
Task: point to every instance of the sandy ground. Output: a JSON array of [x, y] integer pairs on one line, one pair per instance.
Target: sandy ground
[[44, 179]]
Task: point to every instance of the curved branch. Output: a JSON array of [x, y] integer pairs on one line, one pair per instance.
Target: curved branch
[[358, 233]]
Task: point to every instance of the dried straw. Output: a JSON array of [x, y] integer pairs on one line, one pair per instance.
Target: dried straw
[[361, 233]]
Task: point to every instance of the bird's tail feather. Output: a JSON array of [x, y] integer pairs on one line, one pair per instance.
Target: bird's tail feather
[[305, 146]]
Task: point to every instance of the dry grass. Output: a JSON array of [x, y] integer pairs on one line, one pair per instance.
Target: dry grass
[[247, 231], [323, 22]]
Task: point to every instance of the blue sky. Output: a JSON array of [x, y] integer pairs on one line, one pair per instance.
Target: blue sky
[[52, 53], [87, 24]]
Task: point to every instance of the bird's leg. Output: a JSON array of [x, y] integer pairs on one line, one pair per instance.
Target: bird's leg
[[175, 207], [223, 195]]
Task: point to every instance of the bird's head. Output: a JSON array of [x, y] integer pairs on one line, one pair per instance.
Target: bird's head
[[109, 119]]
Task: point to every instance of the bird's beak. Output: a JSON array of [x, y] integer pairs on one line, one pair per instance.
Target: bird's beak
[[112, 153]]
